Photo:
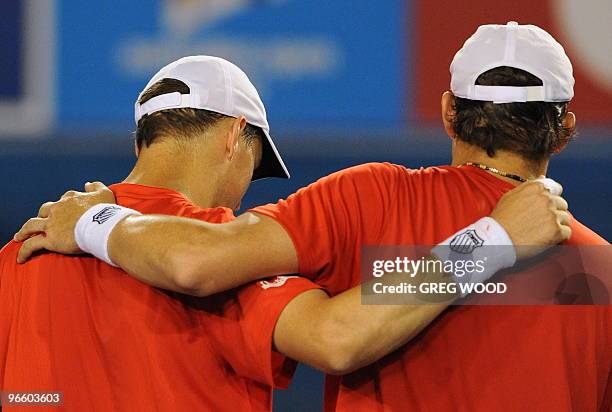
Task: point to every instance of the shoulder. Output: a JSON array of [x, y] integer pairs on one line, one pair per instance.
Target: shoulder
[[213, 215], [210, 215], [392, 169], [9, 252], [582, 235], [371, 173], [373, 169], [393, 175], [371, 181], [38, 262]]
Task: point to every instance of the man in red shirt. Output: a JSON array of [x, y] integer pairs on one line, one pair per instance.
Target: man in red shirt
[[108, 342], [505, 122]]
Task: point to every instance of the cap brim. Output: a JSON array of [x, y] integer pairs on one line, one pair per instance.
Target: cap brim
[[272, 164]]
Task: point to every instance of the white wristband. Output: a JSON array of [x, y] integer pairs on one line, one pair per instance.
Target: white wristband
[[95, 226], [486, 243]]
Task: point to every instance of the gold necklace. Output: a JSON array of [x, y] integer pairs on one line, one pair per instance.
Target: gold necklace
[[496, 171]]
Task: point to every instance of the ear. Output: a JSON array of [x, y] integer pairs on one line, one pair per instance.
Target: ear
[[233, 138], [569, 122], [136, 149], [448, 113]]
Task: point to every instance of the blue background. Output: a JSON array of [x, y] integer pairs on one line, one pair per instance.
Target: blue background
[[10, 49], [354, 114], [94, 91]]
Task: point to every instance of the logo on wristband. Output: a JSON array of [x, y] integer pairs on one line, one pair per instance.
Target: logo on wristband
[[466, 242], [103, 215]]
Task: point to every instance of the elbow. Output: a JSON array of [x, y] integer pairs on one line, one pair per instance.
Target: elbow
[[195, 269], [187, 282], [187, 277], [340, 350], [338, 363]]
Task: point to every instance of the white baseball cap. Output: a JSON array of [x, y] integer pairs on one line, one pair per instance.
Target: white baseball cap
[[218, 86], [524, 47]]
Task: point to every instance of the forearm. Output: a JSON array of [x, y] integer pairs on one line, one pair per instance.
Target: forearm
[[194, 257], [341, 334], [160, 250], [370, 332]]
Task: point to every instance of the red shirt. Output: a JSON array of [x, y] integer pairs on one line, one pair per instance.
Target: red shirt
[[112, 343], [476, 358]]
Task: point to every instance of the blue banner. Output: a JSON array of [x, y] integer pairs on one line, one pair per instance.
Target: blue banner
[[11, 50], [317, 64]]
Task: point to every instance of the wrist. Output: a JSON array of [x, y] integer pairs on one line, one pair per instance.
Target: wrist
[[94, 227], [485, 244]]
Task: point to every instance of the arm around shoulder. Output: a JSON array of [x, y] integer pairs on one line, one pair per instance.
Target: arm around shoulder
[[198, 258]]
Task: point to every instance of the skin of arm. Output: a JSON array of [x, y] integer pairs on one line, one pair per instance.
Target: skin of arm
[[336, 335], [339, 335], [201, 259], [167, 252], [198, 258]]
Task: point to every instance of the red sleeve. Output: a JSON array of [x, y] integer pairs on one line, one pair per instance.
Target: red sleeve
[[607, 346], [582, 235], [8, 256], [328, 219], [247, 344]]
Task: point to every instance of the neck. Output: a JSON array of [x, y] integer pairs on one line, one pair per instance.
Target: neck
[[504, 161], [169, 167]]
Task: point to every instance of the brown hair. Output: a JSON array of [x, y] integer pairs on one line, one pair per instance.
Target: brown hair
[[533, 129], [181, 123]]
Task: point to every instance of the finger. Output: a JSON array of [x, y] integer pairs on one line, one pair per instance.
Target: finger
[[94, 187], [566, 233], [31, 246], [44, 209], [553, 187], [69, 194], [563, 218], [31, 227], [560, 203]]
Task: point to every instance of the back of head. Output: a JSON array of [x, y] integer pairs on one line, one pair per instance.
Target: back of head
[[191, 94], [179, 124], [512, 84], [533, 130]]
